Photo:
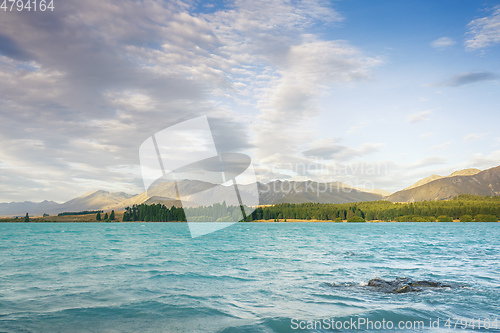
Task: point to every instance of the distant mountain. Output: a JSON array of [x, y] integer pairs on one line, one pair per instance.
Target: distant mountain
[[96, 200], [194, 193], [465, 172], [164, 193], [462, 182], [200, 193], [135, 200], [424, 181], [33, 208], [383, 193], [308, 191]]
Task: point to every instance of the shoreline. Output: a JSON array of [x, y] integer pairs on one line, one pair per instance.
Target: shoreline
[[256, 221]]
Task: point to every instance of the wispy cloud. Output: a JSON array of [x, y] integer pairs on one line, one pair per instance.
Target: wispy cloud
[[484, 161], [324, 152], [419, 116], [466, 78], [426, 135], [429, 161], [473, 137], [441, 146], [92, 81], [103, 76], [289, 102], [82, 87], [287, 69], [484, 32], [443, 43], [342, 153], [356, 128]]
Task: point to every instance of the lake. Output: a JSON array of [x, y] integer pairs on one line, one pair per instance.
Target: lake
[[249, 277]]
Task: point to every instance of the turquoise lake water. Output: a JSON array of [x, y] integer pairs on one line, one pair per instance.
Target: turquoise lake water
[[250, 277]]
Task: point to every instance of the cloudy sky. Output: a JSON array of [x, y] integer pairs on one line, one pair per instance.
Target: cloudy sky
[[374, 93]]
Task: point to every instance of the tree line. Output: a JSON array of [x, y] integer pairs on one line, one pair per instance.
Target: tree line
[[466, 208], [83, 212], [153, 213], [106, 218], [160, 213]]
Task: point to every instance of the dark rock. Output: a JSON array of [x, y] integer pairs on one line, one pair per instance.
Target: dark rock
[[399, 285], [404, 285], [405, 289], [429, 284]]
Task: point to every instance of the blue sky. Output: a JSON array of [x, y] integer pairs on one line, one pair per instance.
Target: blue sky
[[377, 94]]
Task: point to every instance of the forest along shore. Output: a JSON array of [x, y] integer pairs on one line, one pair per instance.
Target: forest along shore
[[464, 208]]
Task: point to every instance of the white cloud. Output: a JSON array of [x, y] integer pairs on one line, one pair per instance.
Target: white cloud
[[132, 100], [281, 70], [429, 161], [441, 146], [419, 116], [484, 161], [484, 32], [443, 43], [95, 79], [290, 101], [473, 137], [90, 83], [81, 89], [426, 135], [355, 129]]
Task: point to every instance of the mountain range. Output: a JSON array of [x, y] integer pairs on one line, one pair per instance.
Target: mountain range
[[200, 192], [468, 181], [96, 200], [465, 172]]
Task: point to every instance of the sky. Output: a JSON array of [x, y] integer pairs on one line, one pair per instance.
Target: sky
[[376, 94]]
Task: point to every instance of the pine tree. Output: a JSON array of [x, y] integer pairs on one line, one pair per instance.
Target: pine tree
[[112, 215], [98, 217], [105, 216], [27, 218]]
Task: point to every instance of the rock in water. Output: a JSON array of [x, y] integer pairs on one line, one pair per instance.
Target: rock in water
[[403, 285], [405, 289], [399, 285]]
